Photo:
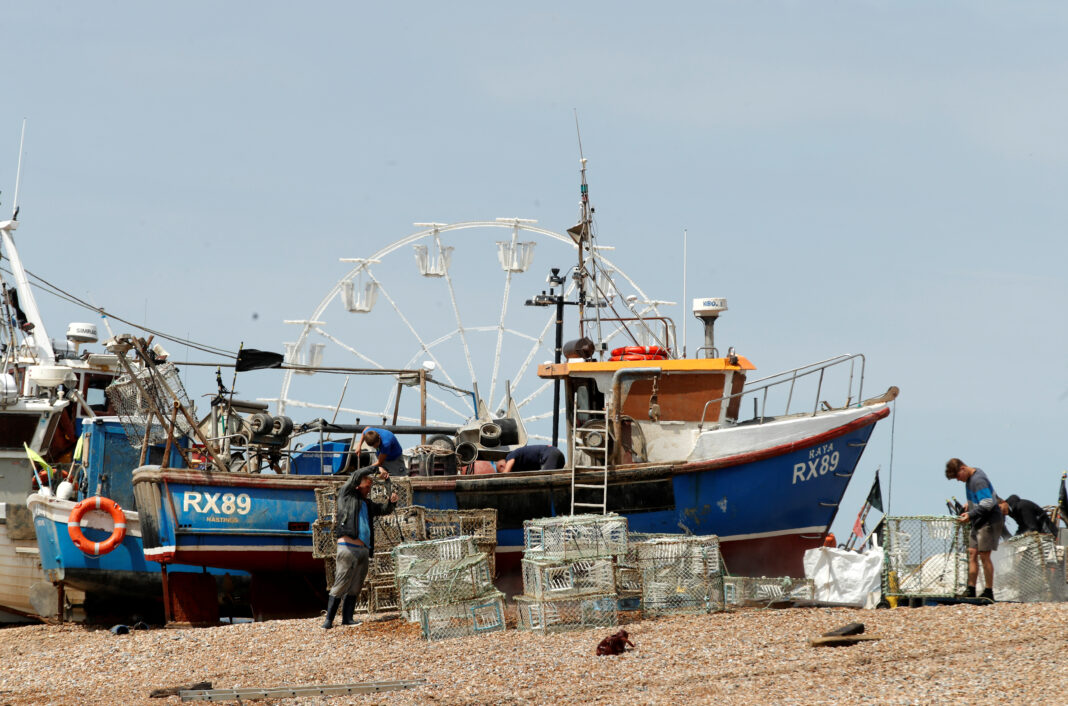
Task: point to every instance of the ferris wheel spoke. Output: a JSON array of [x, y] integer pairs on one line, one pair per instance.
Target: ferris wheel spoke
[[350, 349], [540, 389], [456, 311], [419, 339], [531, 353], [500, 320]]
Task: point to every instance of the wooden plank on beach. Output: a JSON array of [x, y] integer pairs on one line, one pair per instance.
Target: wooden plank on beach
[[280, 692], [840, 640]]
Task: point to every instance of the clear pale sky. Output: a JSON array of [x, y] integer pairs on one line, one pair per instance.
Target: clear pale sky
[[885, 178]]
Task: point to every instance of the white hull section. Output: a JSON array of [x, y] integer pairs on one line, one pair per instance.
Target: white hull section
[[20, 568], [736, 440], [58, 511]]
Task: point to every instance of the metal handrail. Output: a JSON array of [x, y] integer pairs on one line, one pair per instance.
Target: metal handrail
[[669, 341], [791, 377]]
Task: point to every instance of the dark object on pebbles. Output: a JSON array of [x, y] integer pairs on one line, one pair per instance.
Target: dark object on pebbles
[[614, 644], [847, 629]]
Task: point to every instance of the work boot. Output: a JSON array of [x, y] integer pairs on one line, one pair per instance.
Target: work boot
[[332, 603], [348, 607], [969, 592], [988, 593]]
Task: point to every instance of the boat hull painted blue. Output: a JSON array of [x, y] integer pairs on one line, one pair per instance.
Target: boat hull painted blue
[[766, 506]]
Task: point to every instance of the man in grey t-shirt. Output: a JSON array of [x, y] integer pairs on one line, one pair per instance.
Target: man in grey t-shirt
[[986, 520]]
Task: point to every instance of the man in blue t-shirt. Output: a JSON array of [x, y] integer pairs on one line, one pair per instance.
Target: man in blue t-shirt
[[536, 457], [986, 520], [385, 444]]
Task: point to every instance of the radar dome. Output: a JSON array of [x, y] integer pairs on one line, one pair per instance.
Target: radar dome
[[82, 333]]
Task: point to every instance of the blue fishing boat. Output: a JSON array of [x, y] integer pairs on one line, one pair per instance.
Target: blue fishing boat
[[112, 580], [663, 438]]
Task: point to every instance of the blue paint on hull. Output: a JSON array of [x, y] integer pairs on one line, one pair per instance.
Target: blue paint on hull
[[784, 501]]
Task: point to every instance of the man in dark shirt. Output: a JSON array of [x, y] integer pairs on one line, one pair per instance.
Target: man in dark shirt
[[535, 457], [1029, 516], [355, 533]]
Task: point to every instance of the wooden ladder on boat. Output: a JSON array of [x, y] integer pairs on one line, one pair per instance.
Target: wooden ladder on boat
[[596, 453]]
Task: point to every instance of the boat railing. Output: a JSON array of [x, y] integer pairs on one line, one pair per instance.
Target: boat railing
[[667, 339], [761, 388]]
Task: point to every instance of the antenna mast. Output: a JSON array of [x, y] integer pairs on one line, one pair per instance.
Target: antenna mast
[[18, 174], [582, 234], [685, 235]]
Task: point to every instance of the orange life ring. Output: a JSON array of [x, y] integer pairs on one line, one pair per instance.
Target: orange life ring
[[74, 525], [640, 350], [636, 356]]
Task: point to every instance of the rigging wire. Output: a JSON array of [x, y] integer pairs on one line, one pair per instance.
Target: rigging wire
[[55, 291], [890, 481]]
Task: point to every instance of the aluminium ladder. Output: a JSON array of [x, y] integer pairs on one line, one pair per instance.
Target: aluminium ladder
[[596, 455]]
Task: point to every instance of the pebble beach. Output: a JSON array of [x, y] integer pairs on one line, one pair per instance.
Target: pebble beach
[[999, 653]]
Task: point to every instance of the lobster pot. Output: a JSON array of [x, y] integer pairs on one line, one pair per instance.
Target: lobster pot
[[382, 596], [480, 524], [474, 617], [667, 590], [409, 553], [324, 543], [680, 575], [628, 575], [697, 555], [326, 501], [556, 579], [134, 400], [382, 564], [561, 614], [575, 537], [752, 591], [403, 525], [489, 548], [381, 582], [924, 556], [330, 570], [628, 581], [381, 489], [442, 581], [1029, 568]]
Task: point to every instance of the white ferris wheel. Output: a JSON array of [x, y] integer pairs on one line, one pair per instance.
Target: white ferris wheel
[[454, 300]]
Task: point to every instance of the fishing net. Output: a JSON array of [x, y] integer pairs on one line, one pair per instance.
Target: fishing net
[[133, 399]]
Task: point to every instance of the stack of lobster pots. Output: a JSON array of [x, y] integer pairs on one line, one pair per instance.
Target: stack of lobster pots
[[569, 580], [447, 585], [379, 591], [679, 574]]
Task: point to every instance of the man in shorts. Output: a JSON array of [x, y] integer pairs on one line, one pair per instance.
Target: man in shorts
[[987, 523]]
